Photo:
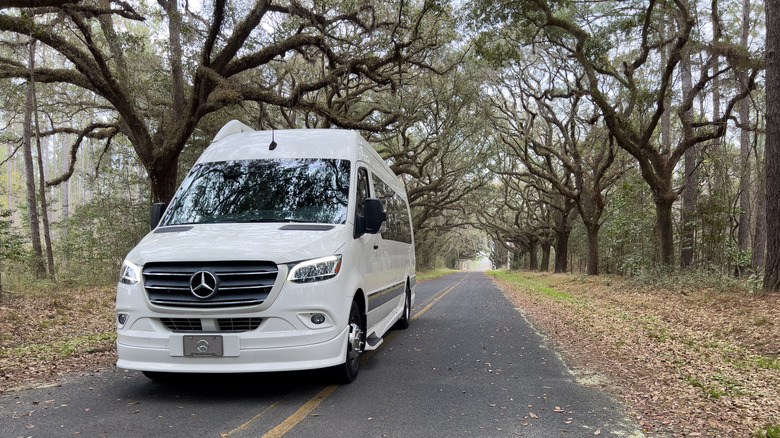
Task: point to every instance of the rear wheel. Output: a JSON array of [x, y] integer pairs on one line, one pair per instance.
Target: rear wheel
[[356, 341], [406, 316]]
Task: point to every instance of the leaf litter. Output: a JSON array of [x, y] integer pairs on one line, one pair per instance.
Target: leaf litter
[[698, 362], [47, 334]]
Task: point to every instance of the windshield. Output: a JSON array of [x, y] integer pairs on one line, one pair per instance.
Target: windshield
[[279, 190]]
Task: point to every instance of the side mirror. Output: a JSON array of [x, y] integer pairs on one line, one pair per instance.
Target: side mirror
[[375, 216], [158, 209]]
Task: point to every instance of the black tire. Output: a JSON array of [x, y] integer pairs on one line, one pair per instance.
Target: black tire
[[158, 376], [348, 371], [406, 316]]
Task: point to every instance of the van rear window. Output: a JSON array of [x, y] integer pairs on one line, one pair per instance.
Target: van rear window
[[274, 190]]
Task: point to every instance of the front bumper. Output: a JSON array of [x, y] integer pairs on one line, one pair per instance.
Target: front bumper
[[168, 357], [286, 340]]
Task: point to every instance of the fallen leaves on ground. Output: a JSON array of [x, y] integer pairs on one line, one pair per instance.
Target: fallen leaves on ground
[[694, 363], [46, 334]]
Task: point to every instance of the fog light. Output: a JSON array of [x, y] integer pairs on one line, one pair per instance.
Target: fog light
[[121, 318], [318, 318]]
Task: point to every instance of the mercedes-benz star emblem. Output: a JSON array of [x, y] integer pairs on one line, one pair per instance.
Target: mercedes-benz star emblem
[[203, 284]]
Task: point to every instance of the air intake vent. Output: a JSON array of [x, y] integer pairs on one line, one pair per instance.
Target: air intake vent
[[182, 324], [239, 324], [232, 325]]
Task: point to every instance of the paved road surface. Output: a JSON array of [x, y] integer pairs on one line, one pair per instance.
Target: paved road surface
[[469, 365]]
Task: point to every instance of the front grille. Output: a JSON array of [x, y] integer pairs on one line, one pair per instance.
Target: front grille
[[237, 283], [182, 324], [233, 325], [238, 324]]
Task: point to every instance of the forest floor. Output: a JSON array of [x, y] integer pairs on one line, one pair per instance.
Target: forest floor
[[685, 360], [47, 333]]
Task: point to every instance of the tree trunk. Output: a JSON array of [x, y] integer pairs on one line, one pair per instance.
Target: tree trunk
[[743, 236], [32, 204], [664, 223], [759, 242], [545, 267], [593, 249], [516, 261], [723, 187], [9, 176], [65, 192], [163, 181], [690, 181], [562, 250], [772, 273], [533, 253], [174, 34], [41, 178]]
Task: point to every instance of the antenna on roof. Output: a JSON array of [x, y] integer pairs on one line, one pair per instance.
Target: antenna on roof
[[272, 146]]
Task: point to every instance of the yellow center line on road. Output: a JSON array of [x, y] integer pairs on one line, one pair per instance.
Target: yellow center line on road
[[300, 414], [245, 425], [436, 300], [310, 405]]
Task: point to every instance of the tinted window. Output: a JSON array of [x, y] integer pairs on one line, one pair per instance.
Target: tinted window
[[398, 227], [362, 191], [280, 190]]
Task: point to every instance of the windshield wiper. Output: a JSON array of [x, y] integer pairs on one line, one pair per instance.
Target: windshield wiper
[[269, 219]]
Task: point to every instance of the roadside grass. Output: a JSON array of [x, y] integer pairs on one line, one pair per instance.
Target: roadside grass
[[688, 357], [768, 432], [434, 273], [534, 284]]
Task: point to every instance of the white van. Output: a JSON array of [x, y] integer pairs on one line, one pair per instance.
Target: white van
[[281, 250]]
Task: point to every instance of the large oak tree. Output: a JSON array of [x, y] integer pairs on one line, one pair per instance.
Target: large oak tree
[[631, 59], [161, 68]]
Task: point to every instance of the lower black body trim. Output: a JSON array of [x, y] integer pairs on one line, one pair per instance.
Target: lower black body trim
[[386, 295]]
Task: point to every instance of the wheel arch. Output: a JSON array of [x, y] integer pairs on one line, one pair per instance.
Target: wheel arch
[[360, 299]]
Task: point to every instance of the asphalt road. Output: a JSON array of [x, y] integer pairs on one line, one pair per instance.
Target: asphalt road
[[469, 365]]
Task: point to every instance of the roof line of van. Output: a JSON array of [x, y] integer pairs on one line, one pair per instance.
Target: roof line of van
[[230, 128]]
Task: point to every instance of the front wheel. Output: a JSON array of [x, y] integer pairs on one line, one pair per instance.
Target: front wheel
[[356, 342], [158, 376]]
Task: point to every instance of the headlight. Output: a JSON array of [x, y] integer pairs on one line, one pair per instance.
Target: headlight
[[315, 270], [129, 273]]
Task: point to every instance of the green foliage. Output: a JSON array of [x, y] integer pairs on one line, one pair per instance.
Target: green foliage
[[100, 232], [626, 236], [768, 363], [770, 431], [11, 242], [690, 279], [721, 385]]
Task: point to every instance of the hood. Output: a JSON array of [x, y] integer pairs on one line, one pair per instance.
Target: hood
[[274, 242]]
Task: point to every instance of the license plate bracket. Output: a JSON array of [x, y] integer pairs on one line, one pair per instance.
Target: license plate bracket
[[203, 345]]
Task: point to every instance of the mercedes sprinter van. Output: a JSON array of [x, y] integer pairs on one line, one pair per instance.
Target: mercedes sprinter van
[[281, 250]]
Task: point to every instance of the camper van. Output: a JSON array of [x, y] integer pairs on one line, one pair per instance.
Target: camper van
[[281, 250]]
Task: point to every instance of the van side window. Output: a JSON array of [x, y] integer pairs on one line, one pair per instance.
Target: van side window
[[398, 226], [362, 191]]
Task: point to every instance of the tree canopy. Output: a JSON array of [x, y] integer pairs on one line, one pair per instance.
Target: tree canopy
[[516, 126]]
